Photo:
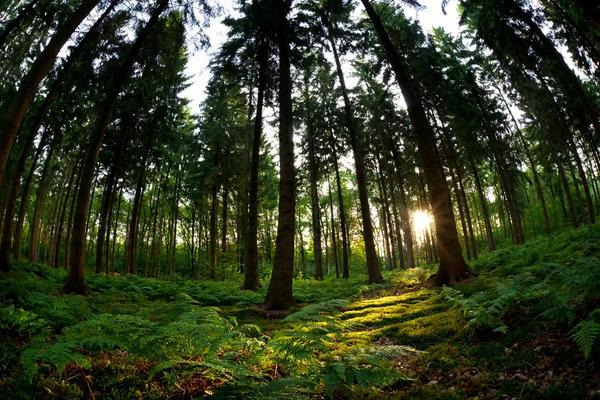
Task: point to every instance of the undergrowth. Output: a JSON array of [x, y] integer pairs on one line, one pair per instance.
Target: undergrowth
[[142, 338], [527, 327]]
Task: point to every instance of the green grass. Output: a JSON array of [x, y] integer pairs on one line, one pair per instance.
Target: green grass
[[527, 327]]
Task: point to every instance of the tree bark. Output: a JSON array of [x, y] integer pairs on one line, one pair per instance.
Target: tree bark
[[314, 192], [279, 294], [373, 268], [251, 279], [333, 235], [213, 218]]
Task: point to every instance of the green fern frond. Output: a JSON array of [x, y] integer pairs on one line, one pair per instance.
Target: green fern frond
[[585, 334]]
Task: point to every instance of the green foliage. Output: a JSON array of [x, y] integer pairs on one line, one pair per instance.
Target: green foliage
[[545, 279], [586, 332]]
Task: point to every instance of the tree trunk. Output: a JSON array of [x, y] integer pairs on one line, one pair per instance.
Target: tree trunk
[[13, 193], [342, 209], [224, 214], [25, 199], [61, 221], [213, 219], [373, 268], [452, 264], [76, 280], [251, 279], [314, 192], [279, 294], [40, 201], [333, 235], [28, 86]]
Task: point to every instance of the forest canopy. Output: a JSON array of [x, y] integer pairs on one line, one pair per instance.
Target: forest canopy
[[338, 142]]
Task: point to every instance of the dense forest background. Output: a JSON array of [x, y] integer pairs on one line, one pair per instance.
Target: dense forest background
[[336, 140]]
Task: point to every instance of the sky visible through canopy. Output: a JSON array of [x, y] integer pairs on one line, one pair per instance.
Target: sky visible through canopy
[[197, 68]]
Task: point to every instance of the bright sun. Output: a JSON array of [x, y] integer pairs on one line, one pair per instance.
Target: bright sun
[[421, 221]]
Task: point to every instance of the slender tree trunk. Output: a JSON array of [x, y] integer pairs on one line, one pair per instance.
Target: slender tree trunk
[[251, 279], [373, 268], [40, 202], [398, 226], [131, 257], [7, 228], [213, 219], [61, 221], [342, 210], [452, 264], [104, 211], [279, 294], [70, 219], [333, 235], [111, 267], [314, 193], [175, 214], [224, 211], [28, 86]]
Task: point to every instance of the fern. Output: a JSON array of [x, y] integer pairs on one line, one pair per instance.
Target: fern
[[24, 322], [586, 332]]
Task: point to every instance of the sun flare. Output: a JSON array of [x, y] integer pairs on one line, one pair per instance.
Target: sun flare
[[421, 222]]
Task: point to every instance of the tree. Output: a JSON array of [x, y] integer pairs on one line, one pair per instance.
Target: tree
[[452, 264], [28, 86], [76, 280], [279, 294]]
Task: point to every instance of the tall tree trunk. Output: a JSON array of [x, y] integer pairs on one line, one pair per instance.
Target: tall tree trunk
[[213, 219], [224, 213], [251, 279], [342, 210], [532, 165], [70, 219], [314, 192], [111, 267], [398, 226], [25, 199], [104, 211], [131, 256], [28, 86], [61, 221], [333, 235], [452, 267], [373, 268], [76, 280], [279, 294], [40, 201], [175, 215], [7, 228]]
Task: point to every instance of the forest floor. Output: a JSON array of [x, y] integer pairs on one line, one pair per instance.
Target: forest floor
[[526, 328]]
